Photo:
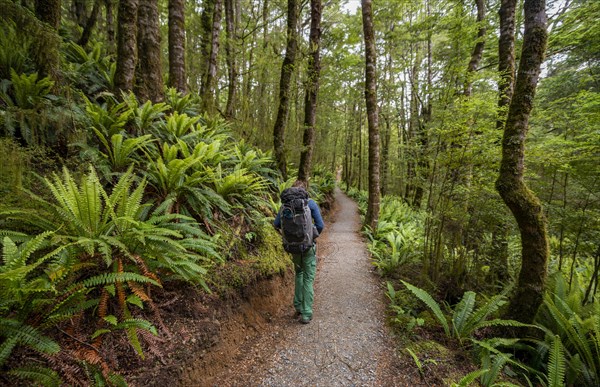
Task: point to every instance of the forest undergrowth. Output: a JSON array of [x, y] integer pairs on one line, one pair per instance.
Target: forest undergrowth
[[560, 347]]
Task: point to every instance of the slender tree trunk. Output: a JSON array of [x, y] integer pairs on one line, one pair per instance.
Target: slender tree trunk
[[287, 70], [312, 90], [208, 97], [177, 78], [48, 11], [478, 49], [126, 44], [506, 58], [372, 216], [230, 55], [524, 205], [89, 25], [78, 10], [208, 9], [506, 69], [110, 26], [149, 85]]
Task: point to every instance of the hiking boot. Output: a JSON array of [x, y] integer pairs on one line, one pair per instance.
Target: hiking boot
[[305, 319], [297, 314]]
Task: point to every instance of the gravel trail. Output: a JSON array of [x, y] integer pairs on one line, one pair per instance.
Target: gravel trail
[[347, 343]]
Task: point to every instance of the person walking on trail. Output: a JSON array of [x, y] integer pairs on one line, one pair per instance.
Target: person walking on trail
[[300, 223]]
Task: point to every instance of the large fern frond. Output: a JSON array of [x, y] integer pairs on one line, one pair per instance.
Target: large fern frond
[[556, 364], [431, 303]]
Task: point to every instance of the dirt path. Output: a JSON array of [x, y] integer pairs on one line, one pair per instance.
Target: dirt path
[[346, 344]]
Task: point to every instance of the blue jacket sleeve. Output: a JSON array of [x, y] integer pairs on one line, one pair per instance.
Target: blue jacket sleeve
[[316, 215]]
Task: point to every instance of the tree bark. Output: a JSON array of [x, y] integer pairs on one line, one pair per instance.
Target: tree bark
[[49, 12], [506, 57], [372, 215], [524, 205], [287, 70], [89, 25], [208, 9], [208, 96], [177, 77], [126, 44], [45, 39], [110, 27], [230, 56], [149, 83], [478, 49], [312, 90]]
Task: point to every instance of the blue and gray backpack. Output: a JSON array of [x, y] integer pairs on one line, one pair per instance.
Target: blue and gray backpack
[[296, 221]]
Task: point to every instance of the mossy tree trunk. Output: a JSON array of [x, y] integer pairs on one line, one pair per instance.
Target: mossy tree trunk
[[126, 44], [372, 215], [177, 77], [524, 205], [312, 90], [45, 43], [209, 99], [230, 54], [287, 70], [506, 69], [149, 83], [48, 11]]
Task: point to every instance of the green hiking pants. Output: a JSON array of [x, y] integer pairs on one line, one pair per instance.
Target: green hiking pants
[[305, 265]]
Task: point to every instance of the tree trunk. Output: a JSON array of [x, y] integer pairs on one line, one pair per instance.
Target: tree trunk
[[506, 69], [312, 90], [506, 58], [287, 70], [208, 9], [126, 44], [372, 216], [478, 49], [208, 96], [231, 55], [149, 85], [49, 12], [177, 77], [110, 27], [523, 204], [89, 25]]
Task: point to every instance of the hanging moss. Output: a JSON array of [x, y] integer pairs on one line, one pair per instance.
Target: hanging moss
[[44, 50]]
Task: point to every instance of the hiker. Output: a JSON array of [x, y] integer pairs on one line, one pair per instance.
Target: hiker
[[300, 223]]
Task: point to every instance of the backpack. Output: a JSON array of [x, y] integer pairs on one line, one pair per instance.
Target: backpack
[[296, 221]]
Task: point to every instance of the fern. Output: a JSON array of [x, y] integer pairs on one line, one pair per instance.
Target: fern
[[431, 303], [462, 314], [17, 333], [37, 375], [556, 364], [470, 378], [111, 278]]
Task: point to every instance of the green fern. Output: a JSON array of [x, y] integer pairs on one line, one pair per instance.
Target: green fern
[[38, 375], [431, 303], [469, 378], [556, 364], [17, 333]]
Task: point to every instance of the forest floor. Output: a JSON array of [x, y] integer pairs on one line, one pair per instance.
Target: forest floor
[[346, 344]]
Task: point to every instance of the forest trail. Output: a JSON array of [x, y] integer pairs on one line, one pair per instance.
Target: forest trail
[[347, 343]]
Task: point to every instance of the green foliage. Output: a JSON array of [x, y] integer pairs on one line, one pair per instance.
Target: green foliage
[[91, 71], [556, 364], [397, 241], [14, 50], [401, 317], [466, 320]]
